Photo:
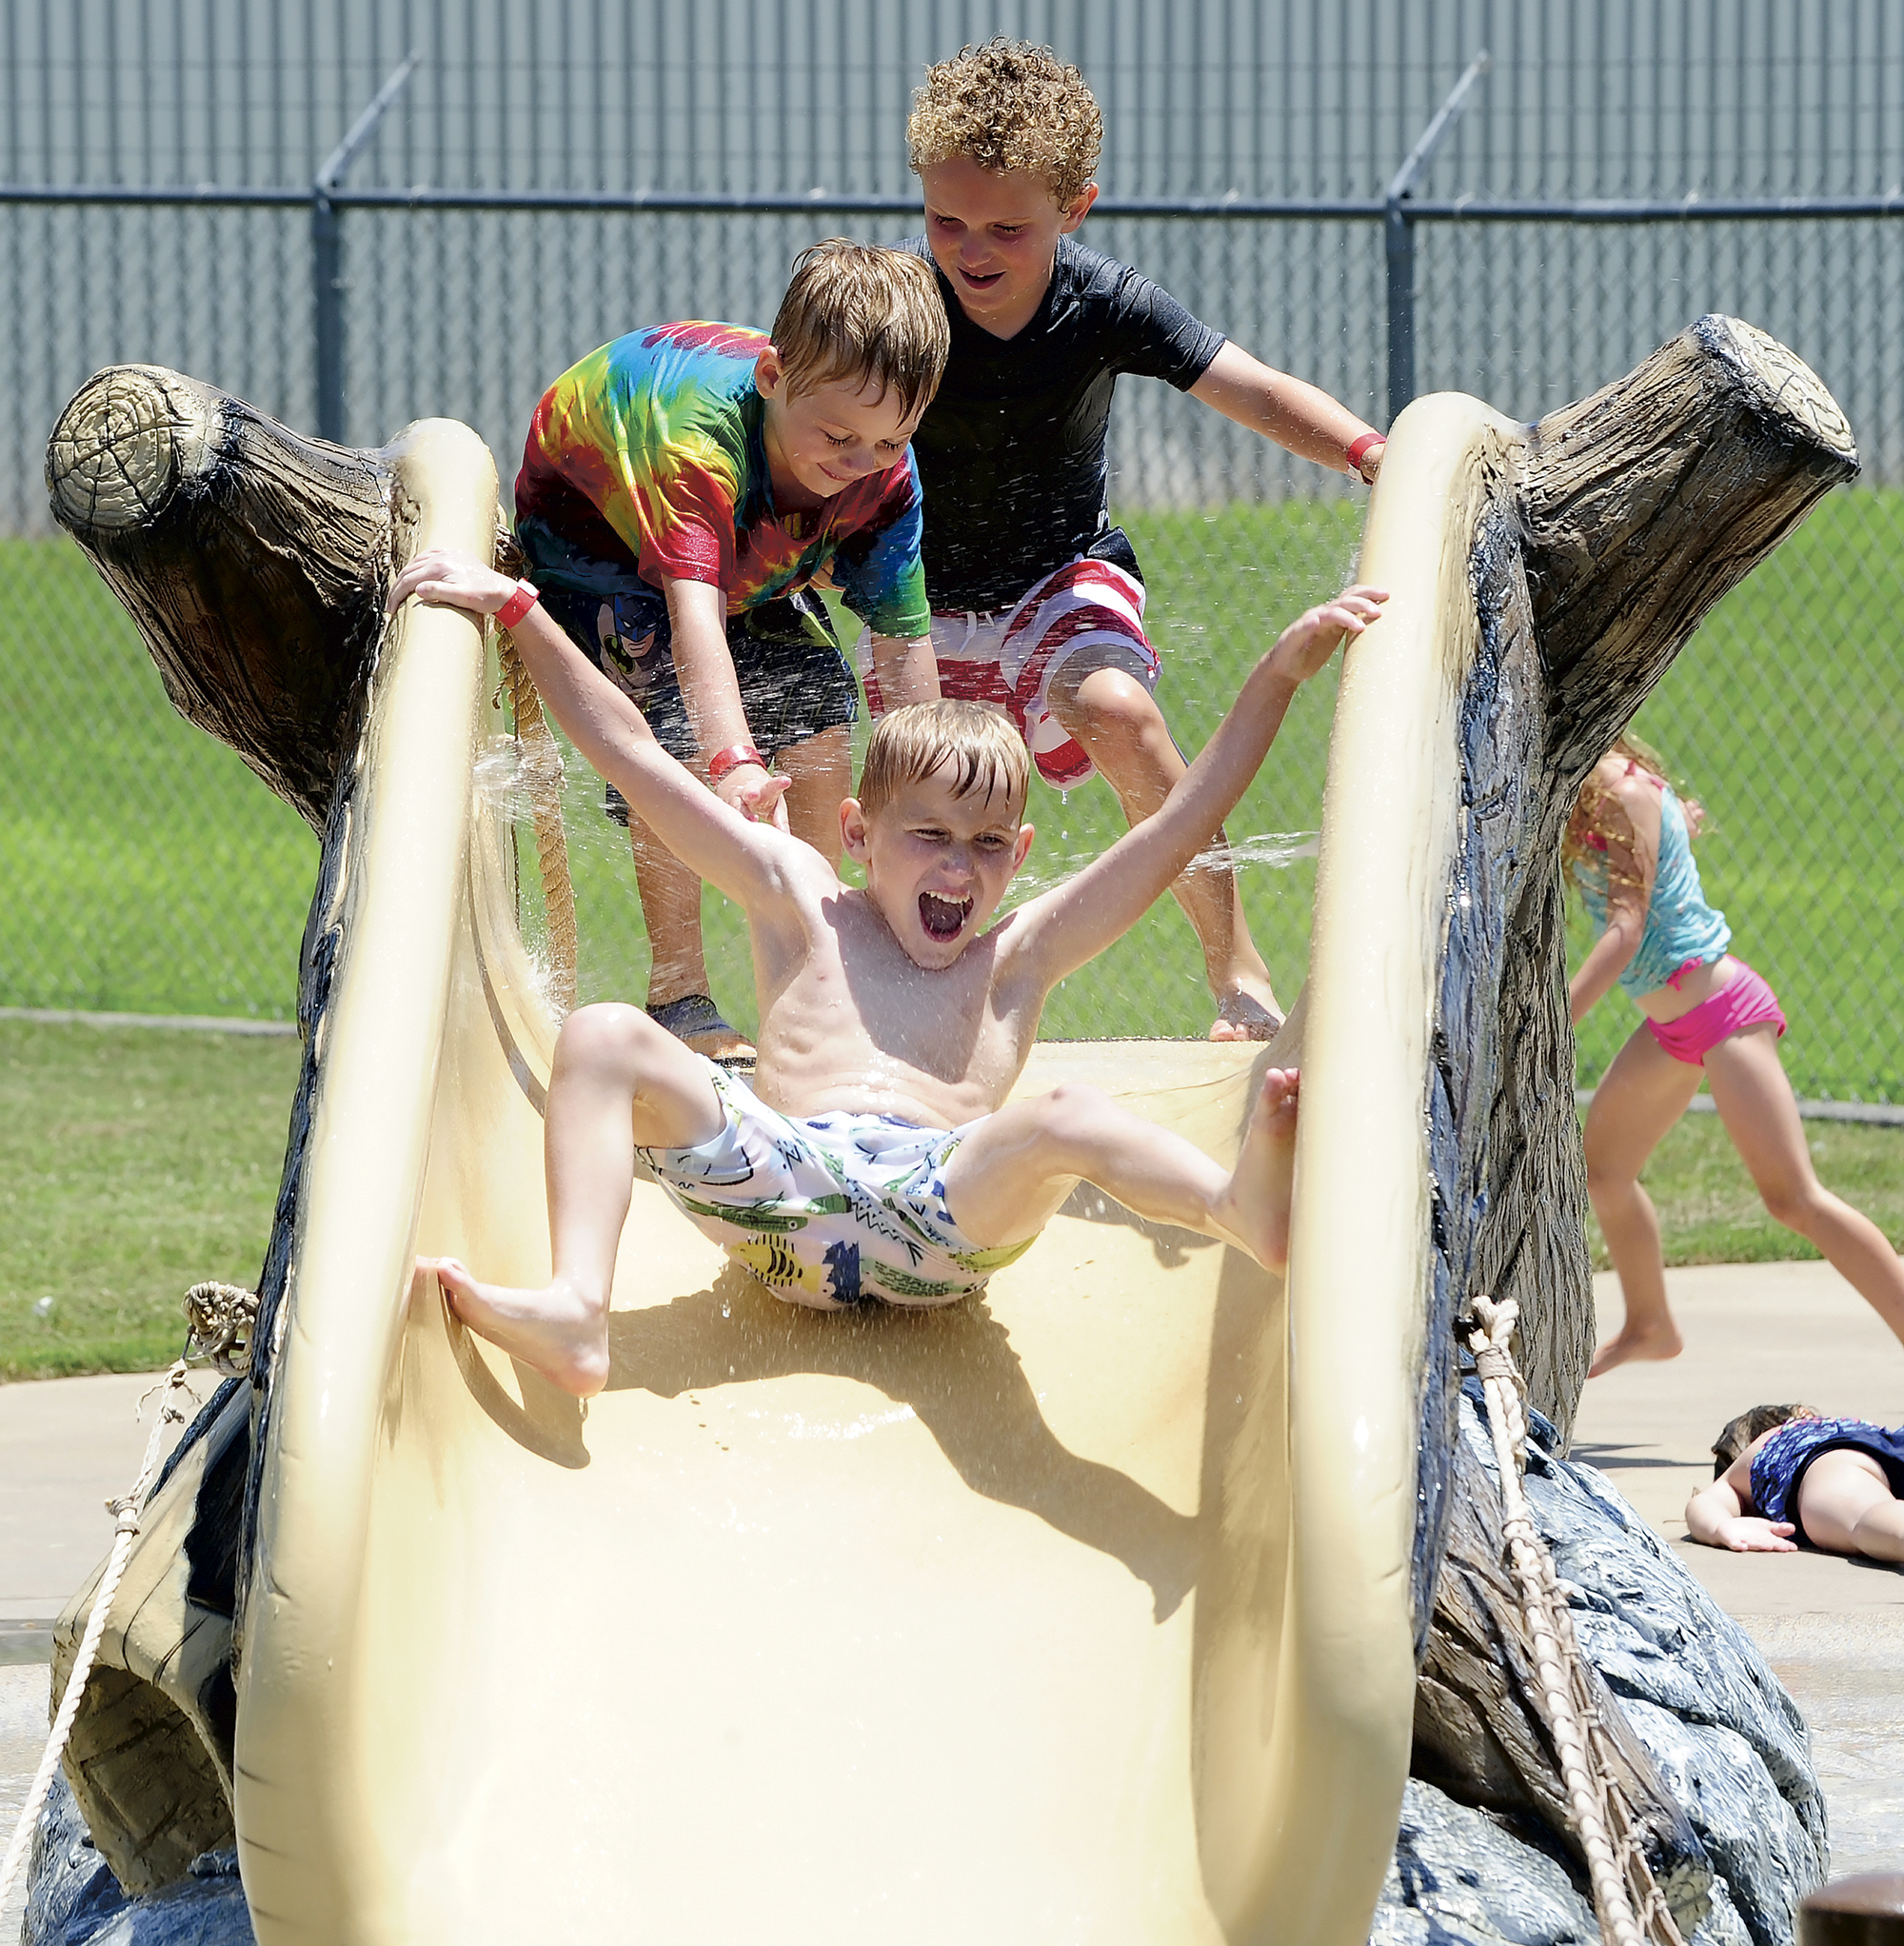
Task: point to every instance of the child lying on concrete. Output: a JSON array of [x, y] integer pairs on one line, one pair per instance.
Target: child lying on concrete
[[1783, 1470], [872, 1160]]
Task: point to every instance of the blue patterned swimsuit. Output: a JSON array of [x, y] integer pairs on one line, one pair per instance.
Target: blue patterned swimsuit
[[1779, 1464]]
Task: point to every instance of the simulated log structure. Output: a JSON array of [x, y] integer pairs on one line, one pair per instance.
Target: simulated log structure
[[1588, 547], [252, 559]]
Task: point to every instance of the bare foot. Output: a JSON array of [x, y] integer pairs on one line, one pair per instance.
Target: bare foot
[[1247, 1012], [559, 1331], [1635, 1345], [1254, 1205]]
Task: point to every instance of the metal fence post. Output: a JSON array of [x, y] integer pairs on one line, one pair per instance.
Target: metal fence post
[[1397, 229], [327, 277], [327, 252]]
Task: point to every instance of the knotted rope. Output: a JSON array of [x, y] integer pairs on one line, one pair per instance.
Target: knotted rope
[[541, 765], [220, 1319], [1627, 1898], [125, 1512]]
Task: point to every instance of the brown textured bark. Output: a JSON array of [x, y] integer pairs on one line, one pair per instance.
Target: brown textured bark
[[1634, 511], [252, 559]]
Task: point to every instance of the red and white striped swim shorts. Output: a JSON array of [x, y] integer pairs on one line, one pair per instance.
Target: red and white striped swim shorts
[[1008, 658]]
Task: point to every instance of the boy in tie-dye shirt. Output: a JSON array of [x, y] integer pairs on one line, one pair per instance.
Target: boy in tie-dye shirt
[[680, 490]]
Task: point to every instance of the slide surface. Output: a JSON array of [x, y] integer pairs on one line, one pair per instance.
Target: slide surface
[[1082, 1611]]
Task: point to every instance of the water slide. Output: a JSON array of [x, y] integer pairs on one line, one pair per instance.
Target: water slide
[[1088, 1611], [1082, 1611]]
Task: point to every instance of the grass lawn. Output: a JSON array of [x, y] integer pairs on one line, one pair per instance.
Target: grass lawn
[[133, 1163], [136, 1161], [147, 871]]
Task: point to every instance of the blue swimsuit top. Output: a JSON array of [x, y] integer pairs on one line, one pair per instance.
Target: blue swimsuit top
[[1680, 926], [1779, 1464]]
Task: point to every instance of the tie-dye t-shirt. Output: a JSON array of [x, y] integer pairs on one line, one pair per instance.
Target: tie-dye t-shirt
[[650, 452]]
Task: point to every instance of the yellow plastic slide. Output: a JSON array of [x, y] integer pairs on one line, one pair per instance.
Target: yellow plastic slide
[[1080, 1613]]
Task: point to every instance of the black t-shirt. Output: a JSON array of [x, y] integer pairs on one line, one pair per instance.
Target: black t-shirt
[[1011, 452]]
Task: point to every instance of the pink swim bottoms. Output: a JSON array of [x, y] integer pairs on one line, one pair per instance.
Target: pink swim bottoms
[[1744, 1001]]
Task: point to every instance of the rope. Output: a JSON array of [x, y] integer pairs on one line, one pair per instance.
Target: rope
[[542, 773], [1627, 1898], [220, 1319], [126, 1514]]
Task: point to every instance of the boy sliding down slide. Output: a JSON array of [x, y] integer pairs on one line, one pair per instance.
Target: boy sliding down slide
[[872, 1160]]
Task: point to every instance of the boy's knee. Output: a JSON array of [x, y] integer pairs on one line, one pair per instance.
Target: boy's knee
[[1110, 703], [608, 1037], [1071, 1119]]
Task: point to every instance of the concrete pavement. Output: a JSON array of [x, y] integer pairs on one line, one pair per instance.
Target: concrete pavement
[[67, 1446]]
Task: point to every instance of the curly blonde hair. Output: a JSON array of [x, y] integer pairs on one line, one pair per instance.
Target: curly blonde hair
[[1009, 105]]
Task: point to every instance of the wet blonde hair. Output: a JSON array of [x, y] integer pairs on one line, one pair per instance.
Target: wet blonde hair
[[915, 740], [1009, 105], [860, 314], [1598, 814], [1738, 1434]]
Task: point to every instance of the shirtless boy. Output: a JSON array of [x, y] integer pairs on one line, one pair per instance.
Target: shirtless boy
[[1038, 603], [1783, 1477], [873, 1159]]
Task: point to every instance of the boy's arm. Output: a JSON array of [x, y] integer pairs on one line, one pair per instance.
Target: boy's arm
[[1060, 929], [751, 862], [710, 689], [906, 671], [1296, 415], [1715, 1515]]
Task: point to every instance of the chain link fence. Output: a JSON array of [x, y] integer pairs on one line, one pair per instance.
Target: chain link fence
[[149, 872]]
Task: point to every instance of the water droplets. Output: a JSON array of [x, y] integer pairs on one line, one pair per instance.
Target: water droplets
[[1273, 850]]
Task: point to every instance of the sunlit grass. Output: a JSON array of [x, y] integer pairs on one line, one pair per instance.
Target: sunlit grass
[[133, 1163]]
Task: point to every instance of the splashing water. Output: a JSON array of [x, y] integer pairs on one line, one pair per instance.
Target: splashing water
[[1278, 850], [496, 778]]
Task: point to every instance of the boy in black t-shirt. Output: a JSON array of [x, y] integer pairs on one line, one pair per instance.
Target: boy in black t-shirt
[[1038, 604]]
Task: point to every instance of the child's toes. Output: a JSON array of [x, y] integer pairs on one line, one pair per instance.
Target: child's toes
[[1281, 1086]]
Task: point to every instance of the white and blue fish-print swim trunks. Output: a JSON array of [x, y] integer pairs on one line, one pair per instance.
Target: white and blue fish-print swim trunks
[[832, 1210]]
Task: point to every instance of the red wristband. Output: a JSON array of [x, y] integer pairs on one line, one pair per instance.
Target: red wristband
[[731, 759], [519, 604], [1361, 447]]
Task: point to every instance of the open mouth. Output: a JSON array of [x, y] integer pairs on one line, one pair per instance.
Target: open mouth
[[943, 919], [982, 280]]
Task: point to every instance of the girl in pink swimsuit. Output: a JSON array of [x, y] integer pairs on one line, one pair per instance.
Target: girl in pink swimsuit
[[1628, 852]]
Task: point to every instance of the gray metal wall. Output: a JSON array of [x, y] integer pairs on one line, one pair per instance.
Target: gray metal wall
[[471, 315]]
